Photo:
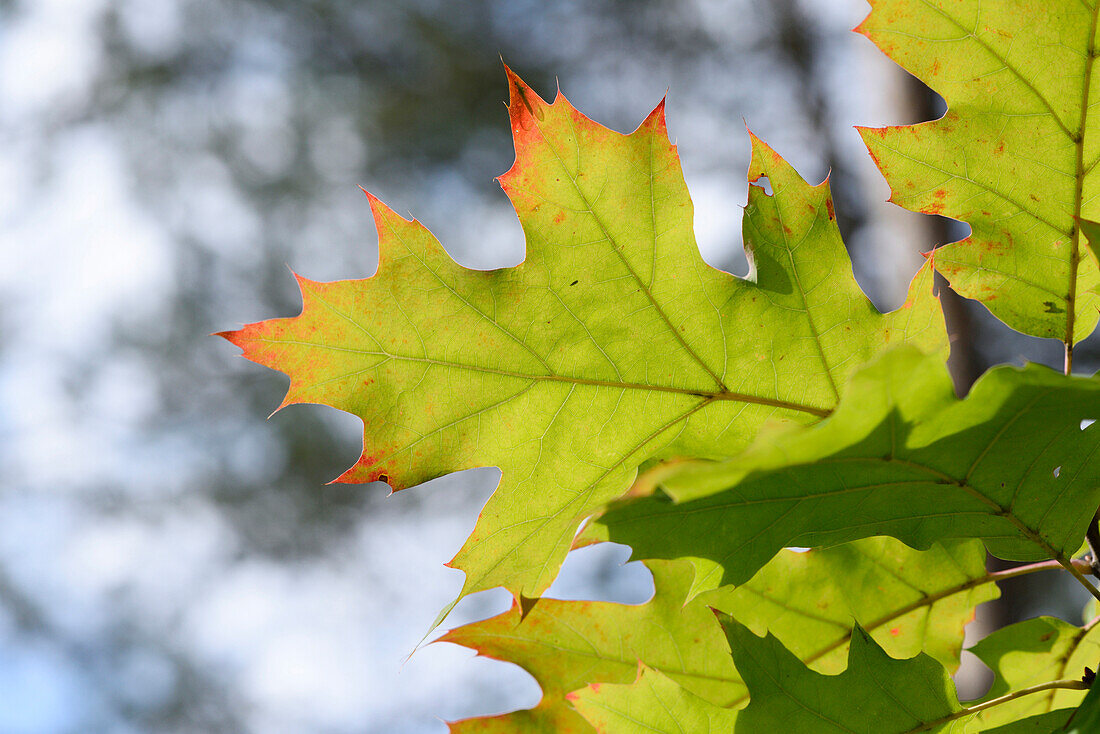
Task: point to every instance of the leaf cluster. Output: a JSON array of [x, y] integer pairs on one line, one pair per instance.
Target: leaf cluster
[[712, 423]]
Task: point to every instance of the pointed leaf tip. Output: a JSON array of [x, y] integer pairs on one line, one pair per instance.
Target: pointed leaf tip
[[524, 105], [381, 210], [655, 120], [766, 162], [229, 335], [386, 220]]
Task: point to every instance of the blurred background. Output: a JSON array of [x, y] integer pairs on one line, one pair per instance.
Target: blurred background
[[170, 561]]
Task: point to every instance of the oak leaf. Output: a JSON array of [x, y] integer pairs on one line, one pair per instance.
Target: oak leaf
[[613, 342], [1015, 156]]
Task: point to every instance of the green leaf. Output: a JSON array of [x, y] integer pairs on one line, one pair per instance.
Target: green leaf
[[1015, 156], [1086, 719], [1029, 653], [566, 645], [901, 456], [1048, 723], [909, 601], [611, 344], [1092, 237], [653, 704], [876, 694]]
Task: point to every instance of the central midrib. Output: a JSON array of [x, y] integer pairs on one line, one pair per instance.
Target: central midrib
[[1079, 191], [716, 395], [805, 304], [643, 287]]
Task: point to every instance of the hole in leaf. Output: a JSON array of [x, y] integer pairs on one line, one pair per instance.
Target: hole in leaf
[[1057, 471], [1087, 422]]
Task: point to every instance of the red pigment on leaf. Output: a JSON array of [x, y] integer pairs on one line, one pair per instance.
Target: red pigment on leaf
[[524, 109], [364, 471], [865, 133], [895, 631], [829, 209], [937, 205]]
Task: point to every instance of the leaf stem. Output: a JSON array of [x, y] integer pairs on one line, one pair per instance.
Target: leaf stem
[[1011, 573], [1071, 566], [931, 599], [1075, 685]]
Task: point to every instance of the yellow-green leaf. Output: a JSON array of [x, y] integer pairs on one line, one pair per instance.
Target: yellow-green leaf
[[909, 601], [1015, 156], [653, 704], [611, 344], [1030, 653], [566, 645]]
